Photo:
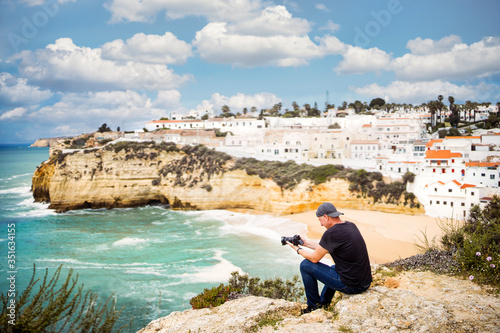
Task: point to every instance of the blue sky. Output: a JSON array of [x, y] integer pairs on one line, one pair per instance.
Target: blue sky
[[67, 66]]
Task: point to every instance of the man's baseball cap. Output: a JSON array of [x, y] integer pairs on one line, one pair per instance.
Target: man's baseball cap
[[327, 208]]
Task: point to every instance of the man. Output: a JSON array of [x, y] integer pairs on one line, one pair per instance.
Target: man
[[351, 273]]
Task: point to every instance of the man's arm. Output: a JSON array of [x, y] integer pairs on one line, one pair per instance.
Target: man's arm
[[315, 256]]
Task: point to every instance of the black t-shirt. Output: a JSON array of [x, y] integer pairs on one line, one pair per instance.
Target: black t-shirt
[[348, 249]]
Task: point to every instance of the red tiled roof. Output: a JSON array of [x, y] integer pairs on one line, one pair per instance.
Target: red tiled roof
[[462, 137], [444, 153], [482, 164], [432, 142]]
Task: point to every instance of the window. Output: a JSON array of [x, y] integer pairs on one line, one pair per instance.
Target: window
[[492, 176], [443, 170], [437, 202], [444, 202], [483, 175], [450, 190], [451, 204], [276, 152], [462, 204], [431, 202], [471, 193]]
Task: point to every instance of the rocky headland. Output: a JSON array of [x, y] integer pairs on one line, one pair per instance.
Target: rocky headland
[[124, 175], [47, 142]]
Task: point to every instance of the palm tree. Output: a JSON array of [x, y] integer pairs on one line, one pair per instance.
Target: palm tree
[[433, 108]]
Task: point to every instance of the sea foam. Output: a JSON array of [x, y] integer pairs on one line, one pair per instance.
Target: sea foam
[[220, 272], [128, 241]]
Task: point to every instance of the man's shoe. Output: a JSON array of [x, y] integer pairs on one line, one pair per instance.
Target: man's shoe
[[308, 309]]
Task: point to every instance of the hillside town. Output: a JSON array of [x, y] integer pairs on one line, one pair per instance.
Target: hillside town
[[454, 168]]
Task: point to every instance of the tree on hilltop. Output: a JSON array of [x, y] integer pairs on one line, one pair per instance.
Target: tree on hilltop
[[377, 103], [104, 128]]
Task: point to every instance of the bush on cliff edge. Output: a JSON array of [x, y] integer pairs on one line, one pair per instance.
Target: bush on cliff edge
[[290, 290]]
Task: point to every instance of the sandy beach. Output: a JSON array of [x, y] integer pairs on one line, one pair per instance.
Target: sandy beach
[[387, 236]]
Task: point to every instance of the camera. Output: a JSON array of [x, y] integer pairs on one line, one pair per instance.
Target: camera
[[295, 240]]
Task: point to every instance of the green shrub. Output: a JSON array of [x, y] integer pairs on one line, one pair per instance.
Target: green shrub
[[211, 297], [475, 244], [479, 247], [244, 285], [58, 308], [287, 174]]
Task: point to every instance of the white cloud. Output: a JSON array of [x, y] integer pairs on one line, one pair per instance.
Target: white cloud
[[322, 7], [421, 92], [168, 99], [448, 59], [216, 44], [32, 3], [146, 10], [330, 27], [239, 101], [428, 46], [166, 49], [16, 91], [13, 114], [63, 66], [272, 21], [84, 112], [358, 60]]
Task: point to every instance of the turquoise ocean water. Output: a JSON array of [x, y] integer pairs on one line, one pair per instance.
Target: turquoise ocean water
[[151, 258]]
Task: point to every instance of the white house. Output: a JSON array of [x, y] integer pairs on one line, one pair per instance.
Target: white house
[[452, 199], [483, 173], [174, 124], [365, 149]]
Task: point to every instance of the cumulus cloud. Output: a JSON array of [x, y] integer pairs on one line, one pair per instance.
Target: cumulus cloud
[[448, 59], [16, 91], [275, 20], [239, 101], [168, 99], [63, 66], [322, 7], [428, 46], [14, 114], [358, 60], [84, 112], [166, 49], [146, 10], [330, 27], [418, 92], [215, 43]]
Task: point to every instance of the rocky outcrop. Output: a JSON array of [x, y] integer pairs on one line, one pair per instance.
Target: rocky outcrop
[[47, 142], [114, 177], [410, 302]]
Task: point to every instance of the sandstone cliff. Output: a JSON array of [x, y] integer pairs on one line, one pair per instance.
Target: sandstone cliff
[[47, 142], [121, 177], [410, 302]]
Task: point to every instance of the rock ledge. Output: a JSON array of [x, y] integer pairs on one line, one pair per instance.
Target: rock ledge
[[409, 302]]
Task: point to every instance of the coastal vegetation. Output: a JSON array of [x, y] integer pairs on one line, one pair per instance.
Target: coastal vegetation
[[241, 285], [470, 249], [58, 307]]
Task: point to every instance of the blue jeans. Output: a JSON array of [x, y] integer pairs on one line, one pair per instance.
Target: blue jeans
[[312, 273]]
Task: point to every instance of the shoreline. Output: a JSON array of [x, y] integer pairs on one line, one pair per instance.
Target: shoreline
[[388, 236]]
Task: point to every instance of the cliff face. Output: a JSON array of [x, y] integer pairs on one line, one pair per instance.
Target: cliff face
[[47, 142], [410, 302], [121, 178]]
